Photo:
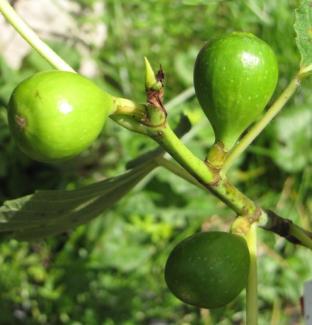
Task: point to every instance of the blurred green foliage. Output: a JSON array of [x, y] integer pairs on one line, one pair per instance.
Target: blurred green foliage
[[110, 271]]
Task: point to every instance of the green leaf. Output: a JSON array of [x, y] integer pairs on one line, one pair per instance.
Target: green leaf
[[46, 213], [303, 28]]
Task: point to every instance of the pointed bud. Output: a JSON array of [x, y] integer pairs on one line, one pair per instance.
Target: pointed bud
[[151, 82], [150, 78]]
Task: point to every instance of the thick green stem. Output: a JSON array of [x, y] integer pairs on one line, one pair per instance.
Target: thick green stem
[[272, 222], [224, 190], [31, 38], [261, 124], [173, 145], [251, 294], [206, 176], [235, 199]]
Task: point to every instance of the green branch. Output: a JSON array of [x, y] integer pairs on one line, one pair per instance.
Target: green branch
[[267, 219], [208, 177], [173, 145]]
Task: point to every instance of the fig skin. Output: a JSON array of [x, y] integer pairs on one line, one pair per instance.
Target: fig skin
[[234, 79], [55, 115], [208, 269]]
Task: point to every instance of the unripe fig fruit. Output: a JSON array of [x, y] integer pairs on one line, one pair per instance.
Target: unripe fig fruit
[[208, 269], [234, 78], [54, 115]]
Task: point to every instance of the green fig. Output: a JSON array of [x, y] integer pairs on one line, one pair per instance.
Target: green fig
[[234, 79], [208, 269], [54, 115]]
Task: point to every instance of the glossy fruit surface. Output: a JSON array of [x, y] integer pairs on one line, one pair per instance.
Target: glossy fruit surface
[[208, 269], [234, 78], [54, 115]]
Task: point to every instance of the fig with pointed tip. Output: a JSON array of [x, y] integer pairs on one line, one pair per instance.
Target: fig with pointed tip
[[208, 269], [234, 78], [55, 115]]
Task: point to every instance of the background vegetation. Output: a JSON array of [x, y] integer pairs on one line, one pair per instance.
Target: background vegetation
[[110, 271]]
